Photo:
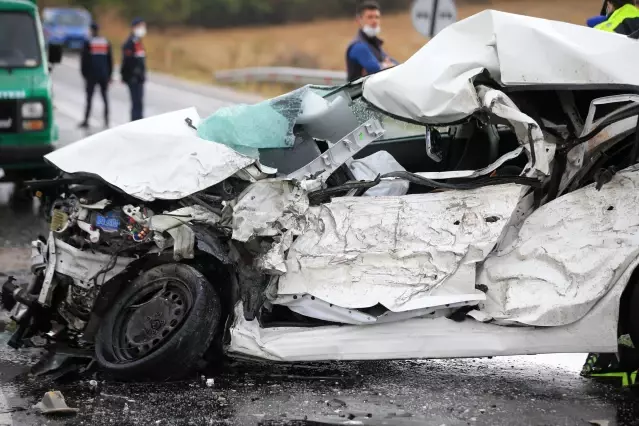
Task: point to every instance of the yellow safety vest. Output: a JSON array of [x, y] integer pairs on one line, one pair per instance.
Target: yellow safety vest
[[618, 16]]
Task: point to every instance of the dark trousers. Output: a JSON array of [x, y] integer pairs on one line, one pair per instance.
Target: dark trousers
[[90, 88], [137, 97]]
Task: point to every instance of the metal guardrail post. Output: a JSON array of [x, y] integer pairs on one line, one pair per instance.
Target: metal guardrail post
[[301, 76]]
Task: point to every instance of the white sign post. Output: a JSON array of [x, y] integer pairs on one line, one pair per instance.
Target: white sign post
[[432, 16]]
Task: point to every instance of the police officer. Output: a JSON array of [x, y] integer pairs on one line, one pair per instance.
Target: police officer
[[622, 17], [364, 54], [133, 69], [97, 67]]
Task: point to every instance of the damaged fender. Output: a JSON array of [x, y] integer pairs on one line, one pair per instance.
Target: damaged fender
[[566, 257], [405, 253]]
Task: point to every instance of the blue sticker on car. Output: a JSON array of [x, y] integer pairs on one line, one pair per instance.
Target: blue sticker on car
[[108, 223]]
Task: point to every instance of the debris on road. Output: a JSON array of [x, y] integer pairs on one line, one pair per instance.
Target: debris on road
[[336, 403], [53, 403]]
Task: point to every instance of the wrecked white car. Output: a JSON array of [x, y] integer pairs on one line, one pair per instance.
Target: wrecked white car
[[478, 200]]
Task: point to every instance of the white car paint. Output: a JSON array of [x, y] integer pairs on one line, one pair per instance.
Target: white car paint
[[133, 157], [436, 85]]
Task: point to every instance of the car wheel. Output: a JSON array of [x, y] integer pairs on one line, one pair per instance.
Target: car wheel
[[160, 326]]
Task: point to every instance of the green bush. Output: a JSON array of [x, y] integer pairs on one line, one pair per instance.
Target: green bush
[[225, 13]]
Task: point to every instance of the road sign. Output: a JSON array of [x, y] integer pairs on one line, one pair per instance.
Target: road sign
[[432, 16]]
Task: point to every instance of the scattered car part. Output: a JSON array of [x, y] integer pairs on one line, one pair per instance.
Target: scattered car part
[[53, 403]]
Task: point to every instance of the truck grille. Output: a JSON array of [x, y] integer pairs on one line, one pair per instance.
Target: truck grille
[[8, 116]]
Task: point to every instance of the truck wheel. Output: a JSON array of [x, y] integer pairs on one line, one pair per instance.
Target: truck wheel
[[21, 200], [160, 326]]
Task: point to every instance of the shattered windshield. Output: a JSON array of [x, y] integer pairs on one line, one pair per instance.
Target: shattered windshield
[[394, 129], [248, 128], [270, 123]]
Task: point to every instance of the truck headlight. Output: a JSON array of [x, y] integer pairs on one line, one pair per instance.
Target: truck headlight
[[32, 110]]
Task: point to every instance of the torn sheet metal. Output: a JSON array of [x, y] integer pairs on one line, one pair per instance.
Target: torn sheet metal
[[379, 163], [176, 224], [540, 152], [155, 158], [435, 86], [424, 338], [273, 261], [467, 174], [610, 134], [312, 307], [85, 266], [567, 255], [404, 253], [342, 151], [267, 208]]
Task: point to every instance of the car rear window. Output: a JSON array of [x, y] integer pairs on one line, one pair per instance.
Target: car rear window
[[68, 18]]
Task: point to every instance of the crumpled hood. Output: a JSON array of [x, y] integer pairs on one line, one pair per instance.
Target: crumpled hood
[[159, 157], [436, 84]]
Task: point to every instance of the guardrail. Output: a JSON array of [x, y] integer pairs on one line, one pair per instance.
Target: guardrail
[[291, 75]]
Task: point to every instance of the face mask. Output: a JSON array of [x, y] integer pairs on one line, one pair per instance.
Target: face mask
[[370, 31], [139, 32]]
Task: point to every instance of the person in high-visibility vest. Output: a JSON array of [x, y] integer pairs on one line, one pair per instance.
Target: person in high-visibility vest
[[607, 366], [622, 17]]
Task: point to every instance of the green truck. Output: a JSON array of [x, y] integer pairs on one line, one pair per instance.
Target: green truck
[[27, 125]]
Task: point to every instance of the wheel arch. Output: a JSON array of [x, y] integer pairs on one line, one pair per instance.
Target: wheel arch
[[217, 272]]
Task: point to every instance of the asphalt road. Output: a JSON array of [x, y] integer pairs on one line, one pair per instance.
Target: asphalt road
[[535, 390]]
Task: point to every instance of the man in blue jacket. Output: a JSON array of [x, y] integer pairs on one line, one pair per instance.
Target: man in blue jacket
[[97, 67], [133, 68], [364, 54], [596, 20]]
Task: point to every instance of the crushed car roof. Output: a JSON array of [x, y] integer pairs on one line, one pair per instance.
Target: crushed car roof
[[436, 84]]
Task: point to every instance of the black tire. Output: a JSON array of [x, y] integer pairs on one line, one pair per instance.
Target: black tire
[[126, 344], [629, 357], [21, 200], [633, 321]]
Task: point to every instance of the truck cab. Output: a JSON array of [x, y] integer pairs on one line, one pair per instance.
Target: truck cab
[[27, 125]]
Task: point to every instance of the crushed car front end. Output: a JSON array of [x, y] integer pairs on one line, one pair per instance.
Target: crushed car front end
[[406, 215]]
